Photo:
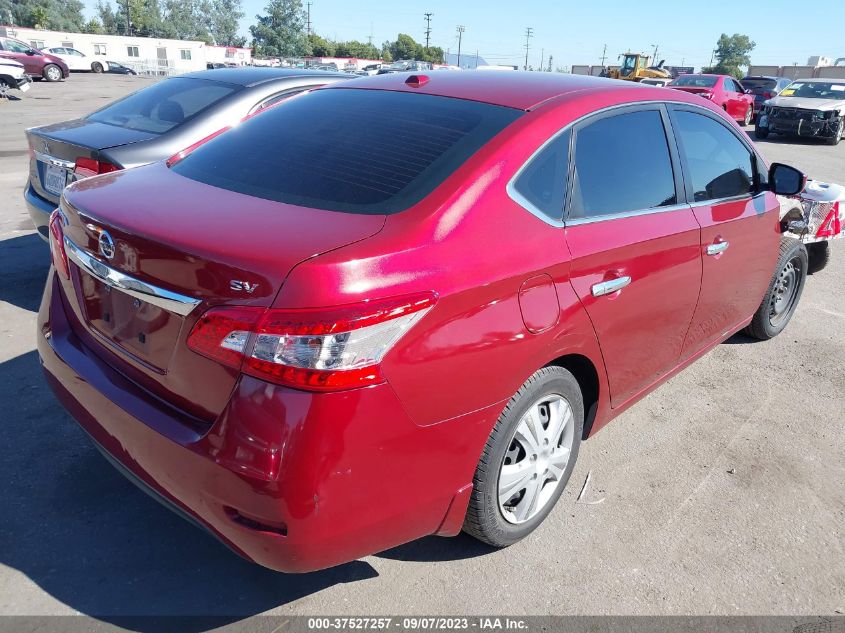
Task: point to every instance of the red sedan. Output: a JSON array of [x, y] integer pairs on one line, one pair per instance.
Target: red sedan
[[394, 307], [723, 90]]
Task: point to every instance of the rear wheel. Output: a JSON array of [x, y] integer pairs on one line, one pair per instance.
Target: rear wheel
[[783, 293], [97, 67], [528, 459], [749, 114], [819, 256], [52, 72]]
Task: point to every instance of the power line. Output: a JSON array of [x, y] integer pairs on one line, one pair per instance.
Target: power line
[[461, 30], [427, 28], [528, 35]]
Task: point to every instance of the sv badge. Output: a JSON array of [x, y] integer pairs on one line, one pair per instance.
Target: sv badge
[[243, 286]]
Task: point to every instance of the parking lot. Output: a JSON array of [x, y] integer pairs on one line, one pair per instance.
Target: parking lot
[[720, 493]]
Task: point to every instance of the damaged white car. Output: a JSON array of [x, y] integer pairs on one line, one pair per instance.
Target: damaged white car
[[807, 107], [12, 75], [816, 216]]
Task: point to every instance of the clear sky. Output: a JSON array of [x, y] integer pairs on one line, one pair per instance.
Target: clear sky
[[685, 31]]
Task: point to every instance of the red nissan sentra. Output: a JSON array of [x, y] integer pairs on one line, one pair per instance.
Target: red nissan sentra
[[395, 306]]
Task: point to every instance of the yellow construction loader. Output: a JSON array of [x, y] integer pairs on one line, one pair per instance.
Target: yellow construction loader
[[635, 68]]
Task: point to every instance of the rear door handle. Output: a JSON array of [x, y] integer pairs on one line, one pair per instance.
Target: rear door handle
[[718, 247], [609, 287]]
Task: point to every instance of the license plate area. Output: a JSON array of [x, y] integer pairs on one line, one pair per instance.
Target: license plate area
[[141, 329], [55, 179]]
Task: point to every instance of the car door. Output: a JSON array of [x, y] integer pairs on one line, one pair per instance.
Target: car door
[[739, 218], [635, 245], [731, 98], [13, 49]]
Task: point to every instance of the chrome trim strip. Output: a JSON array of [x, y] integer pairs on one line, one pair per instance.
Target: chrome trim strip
[[626, 214], [609, 287], [55, 162], [165, 299]]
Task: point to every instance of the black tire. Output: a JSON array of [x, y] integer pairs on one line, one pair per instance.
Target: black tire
[[840, 131], [484, 519], [779, 302], [819, 256], [52, 73], [97, 67], [749, 116], [761, 133]]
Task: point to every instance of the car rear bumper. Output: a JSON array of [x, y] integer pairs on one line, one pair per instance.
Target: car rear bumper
[[39, 210], [292, 480]]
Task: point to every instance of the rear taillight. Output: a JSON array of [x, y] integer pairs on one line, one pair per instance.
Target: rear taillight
[[57, 243], [318, 348], [91, 167], [767, 95]]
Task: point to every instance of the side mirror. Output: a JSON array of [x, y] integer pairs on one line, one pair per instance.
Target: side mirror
[[785, 180], [31, 52]]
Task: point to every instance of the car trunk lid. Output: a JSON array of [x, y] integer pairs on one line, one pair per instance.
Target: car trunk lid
[[56, 148], [183, 241]]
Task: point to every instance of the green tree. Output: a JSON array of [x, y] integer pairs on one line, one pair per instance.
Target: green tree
[[732, 53], [223, 22], [38, 18], [93, 26], [107, 17], [321, 47], [281, 32], [405, 47]]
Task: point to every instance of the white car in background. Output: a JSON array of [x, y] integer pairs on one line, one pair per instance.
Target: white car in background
[[12, 75], [77, 60], [655, 81]]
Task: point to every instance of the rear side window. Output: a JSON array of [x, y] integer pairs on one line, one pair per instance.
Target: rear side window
[[542, 183], [622, 163], [163, 106], [358, 151], [719, 163]]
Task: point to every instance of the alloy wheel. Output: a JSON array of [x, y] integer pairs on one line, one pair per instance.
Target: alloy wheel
[[53, 73], [536, 459]]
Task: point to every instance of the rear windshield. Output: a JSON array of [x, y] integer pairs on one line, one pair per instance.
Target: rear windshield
[[695, 81], [163, 106], [358, 151], [759, 86]]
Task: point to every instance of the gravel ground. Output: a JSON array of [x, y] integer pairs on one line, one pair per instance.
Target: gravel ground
[[722, 491]]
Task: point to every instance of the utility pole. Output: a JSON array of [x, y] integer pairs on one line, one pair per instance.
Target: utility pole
[[427, 29], [603, 55], [308, 18], [461, 30], [711, 57], [542, 58], [654, 55], [128, 23], [528, 36]]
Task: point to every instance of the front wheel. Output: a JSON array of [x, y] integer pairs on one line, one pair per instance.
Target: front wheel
[[528, 458], [838, 134], [819, 256], [52, 73], [783, 293]]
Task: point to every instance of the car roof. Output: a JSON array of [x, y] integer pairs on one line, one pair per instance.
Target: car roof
[[254, 75], [520, 90]]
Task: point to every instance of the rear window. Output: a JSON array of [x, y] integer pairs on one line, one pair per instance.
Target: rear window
[[759, 86], [357, 151], [695, 81], [163, 106]]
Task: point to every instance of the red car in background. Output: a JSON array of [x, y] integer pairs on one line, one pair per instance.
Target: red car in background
[[37, 64], [393, 307], [723, 90]]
